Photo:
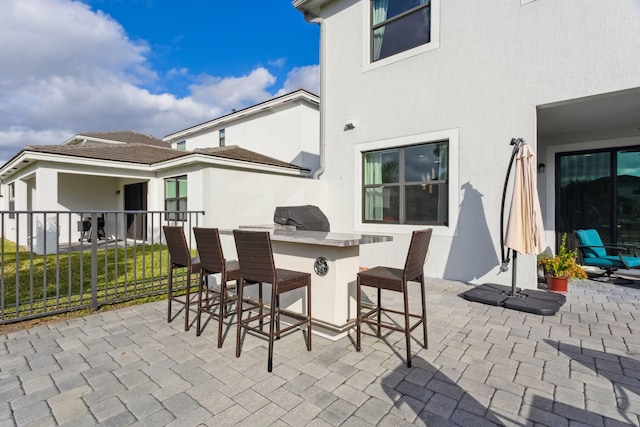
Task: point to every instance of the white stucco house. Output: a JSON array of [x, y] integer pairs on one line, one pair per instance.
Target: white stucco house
[[286, 127], [420, 99], [130, 171]]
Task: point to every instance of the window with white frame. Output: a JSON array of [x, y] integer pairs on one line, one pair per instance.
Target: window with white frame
[[221, 137], [398, 25], [11, 189], [181, 146], [175, 198], [406, 185]]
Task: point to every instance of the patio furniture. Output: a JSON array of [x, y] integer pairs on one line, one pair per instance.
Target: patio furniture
[[84, 227], [180, 258], [257, 267], [396, 280], [607, 257], [212, 261]]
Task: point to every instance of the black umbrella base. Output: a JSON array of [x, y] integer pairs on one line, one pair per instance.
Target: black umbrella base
[[527, 300]]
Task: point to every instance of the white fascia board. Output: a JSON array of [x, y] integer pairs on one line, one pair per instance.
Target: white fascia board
[[294, 96], [80, 137], [228, 163], [85, 161]]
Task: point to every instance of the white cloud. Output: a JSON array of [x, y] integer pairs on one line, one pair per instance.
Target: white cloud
[[235, 92], [67, 69], [302, 78]]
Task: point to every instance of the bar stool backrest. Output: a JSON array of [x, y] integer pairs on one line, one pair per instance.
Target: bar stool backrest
[[417, 255], [177, 245], [209, 249], [255, 255]]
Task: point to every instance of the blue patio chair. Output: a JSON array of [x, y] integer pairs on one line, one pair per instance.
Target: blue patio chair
[[606, 257]]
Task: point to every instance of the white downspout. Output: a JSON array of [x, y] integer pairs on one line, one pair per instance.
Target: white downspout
[[319, 21]]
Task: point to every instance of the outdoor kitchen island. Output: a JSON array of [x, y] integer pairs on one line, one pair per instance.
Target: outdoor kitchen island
[[333, 259]]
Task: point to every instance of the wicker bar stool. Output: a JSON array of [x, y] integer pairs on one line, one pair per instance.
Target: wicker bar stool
[[180, 258], [212, 261], [395, 279], [257, 267]]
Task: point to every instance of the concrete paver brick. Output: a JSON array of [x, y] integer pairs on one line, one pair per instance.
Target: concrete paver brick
[[337, 412], [35, 411], [485, 365]]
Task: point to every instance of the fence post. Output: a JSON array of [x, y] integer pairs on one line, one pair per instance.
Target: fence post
[[94, 261]]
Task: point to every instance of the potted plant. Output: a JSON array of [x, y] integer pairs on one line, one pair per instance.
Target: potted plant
[[561, 267]]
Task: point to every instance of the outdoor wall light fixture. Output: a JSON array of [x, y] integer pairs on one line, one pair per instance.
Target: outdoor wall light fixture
[[541, 167]]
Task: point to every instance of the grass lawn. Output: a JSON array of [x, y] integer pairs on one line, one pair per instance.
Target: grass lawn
[[35, 284]]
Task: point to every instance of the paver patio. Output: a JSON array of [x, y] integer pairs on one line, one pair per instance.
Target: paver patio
[[484, 366]]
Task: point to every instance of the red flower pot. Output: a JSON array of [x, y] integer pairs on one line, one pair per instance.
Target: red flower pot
[[557, 284]]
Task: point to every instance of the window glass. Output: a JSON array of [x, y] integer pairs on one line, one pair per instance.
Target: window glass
[[407, 185], [182, 187], [182, 145], [12, 200], [381, 167], [423, 163], [170, 187], [399, 25], [382, 204], [222, 137]]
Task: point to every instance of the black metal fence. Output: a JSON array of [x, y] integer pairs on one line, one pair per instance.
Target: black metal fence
[[54, 261]]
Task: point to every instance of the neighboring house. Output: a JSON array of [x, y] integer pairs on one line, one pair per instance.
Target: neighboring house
[[420, 100], [130, 171], [286, 127]]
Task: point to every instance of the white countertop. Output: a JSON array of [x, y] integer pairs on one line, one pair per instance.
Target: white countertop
[[318, 237]]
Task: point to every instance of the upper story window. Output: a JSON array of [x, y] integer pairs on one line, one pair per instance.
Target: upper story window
[[398, 25], [175, 198], [406, 185], [181, 146], [221, 137]]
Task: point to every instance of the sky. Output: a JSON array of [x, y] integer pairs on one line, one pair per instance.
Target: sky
[[153, 66]]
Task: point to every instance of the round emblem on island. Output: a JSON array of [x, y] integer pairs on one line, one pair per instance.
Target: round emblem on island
[[321, 266]]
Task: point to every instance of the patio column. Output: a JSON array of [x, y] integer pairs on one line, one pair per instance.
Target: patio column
[[44, 196]]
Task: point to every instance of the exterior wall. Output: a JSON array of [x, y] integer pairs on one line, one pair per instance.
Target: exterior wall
[[288, 132], [497, 60]]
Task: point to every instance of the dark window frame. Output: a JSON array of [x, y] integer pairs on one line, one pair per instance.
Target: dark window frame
[[442, 186], [181, 202], [222, 137], [373, 27]]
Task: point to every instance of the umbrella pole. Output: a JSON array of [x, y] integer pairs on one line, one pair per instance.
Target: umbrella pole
[[514, 274]]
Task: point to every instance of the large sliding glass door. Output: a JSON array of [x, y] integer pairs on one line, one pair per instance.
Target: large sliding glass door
[[628, 196], [599, 189]]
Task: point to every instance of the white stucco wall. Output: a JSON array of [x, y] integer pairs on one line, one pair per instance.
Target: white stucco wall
[[496, 61]]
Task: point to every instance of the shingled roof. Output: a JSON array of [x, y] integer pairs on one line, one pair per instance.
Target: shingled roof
[[236, 153], [130, 153], [126, 136], [148, 155]]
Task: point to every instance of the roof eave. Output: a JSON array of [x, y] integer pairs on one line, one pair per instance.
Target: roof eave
[[234, 163], [310, 8]]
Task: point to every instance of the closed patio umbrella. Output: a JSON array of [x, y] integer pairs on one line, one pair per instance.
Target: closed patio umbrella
[[525, 231], [524, 234]]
